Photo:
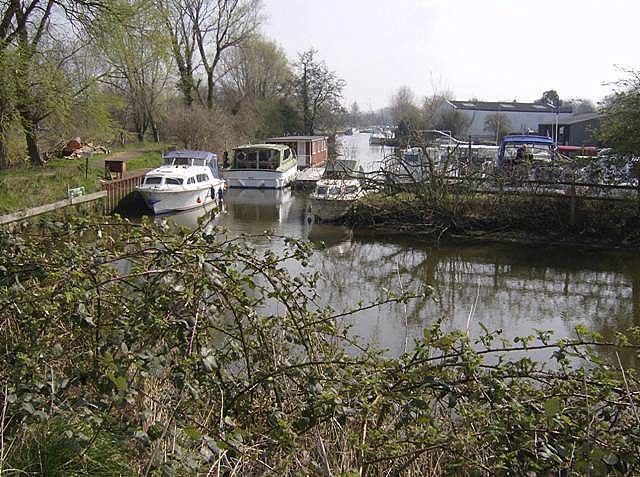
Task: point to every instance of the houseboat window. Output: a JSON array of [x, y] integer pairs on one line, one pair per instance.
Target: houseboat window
[[192, 180], [202, 178], [153, 180], [269, 159], [287, 154], [352, 189], [173, 181], [246, 160], [335, 190]]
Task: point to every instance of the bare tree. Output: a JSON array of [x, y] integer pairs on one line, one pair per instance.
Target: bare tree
[[208, 28], [317, 87]]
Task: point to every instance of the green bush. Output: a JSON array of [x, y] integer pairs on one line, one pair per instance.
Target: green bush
[[134, 349]]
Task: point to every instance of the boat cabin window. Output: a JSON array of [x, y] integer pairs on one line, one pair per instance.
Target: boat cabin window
[[198, 162], [269, 159], [173, 181], [335, 190], [182, 161], [287, 154], [202, 178], [321, 190], [192, 180], [351, 189], [246, 159], [153, 180]]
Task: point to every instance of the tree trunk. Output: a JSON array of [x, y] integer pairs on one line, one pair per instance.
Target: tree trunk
[[4, 162], [210, 89], [156, 132], [32, 146]]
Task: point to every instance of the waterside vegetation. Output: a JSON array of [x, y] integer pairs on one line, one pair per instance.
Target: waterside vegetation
[[193, 353]]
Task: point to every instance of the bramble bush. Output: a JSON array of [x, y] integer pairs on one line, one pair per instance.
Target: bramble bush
[[132, 349]]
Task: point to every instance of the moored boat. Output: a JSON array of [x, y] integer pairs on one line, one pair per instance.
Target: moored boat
[[185, 180], [261, 166], [336, 192]]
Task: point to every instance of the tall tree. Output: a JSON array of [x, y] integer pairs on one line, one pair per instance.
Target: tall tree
[[403, 106], [135, 46], [317, 88], [208, 28]]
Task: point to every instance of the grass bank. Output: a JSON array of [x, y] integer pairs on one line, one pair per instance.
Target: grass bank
[[28, 187], [508, 217]]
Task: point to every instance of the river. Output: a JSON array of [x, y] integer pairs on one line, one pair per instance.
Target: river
[[515, 289]]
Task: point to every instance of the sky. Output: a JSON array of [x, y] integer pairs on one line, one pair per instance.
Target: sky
[[491, 50]]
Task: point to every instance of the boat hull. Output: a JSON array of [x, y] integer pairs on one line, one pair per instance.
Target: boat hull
[[163, 201], [257, 179], [330, 210]]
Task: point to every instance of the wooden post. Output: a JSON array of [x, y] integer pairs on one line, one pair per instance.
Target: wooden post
[[572, 206]]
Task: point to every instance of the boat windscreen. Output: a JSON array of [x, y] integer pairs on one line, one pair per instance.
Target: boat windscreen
[[153, 180], [269, 159]]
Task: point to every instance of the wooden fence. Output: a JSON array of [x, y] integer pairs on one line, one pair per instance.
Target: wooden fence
[[25, 214], [118, 189]]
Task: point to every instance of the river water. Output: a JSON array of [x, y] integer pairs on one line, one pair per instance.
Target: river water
[[515, 289]]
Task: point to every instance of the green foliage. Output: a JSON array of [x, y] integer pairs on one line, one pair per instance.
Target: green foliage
[[189, 351], [621, 117]]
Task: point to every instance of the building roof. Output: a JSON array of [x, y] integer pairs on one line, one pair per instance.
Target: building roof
[[578, 118], [295, 138], [506, 106]]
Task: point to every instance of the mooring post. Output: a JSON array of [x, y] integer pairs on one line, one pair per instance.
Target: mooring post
[[572, 207]]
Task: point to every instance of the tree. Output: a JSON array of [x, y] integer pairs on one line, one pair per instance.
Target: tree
[[621, 116], [208, 28], [135, 47], [455, 121], [259, 69], [318, 89], [582, 106], [432, 107], [35, 41], [550, 96], [498, 124], [403, 107]]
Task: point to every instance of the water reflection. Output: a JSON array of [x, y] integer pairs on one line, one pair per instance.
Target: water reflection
[[513, 288]]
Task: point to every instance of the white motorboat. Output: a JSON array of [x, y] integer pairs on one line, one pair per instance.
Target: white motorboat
[[186, 179], [262, 166], [336, 192]]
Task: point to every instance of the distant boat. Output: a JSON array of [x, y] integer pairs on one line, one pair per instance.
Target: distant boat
[[186, 179], [262, 166]]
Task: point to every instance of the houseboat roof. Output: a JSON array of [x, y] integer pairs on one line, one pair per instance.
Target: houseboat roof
[[190, 155], [279, 147], [296, 138]]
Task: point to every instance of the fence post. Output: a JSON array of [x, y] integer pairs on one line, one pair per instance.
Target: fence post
[[572, 207]]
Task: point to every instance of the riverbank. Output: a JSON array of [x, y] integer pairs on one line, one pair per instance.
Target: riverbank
[[30, 187], [589, 223]]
